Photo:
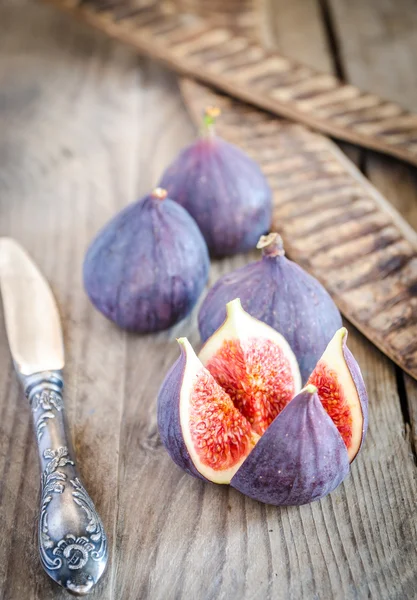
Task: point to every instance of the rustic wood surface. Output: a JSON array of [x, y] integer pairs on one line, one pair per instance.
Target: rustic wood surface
[[199, 47], [86, 127]]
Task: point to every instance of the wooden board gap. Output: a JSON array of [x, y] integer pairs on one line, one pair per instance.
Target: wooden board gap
[[332, 39], [405, 411]]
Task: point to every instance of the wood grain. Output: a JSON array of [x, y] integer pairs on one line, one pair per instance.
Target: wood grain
[[366, 54], [80, 139], [68, 161], [370, 36], [194, 46]]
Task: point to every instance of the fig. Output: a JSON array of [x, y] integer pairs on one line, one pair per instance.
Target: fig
[[198, 424], [280, 293], [147, 267], [235, 414], [339, 382], [300, 458], [223, 189]]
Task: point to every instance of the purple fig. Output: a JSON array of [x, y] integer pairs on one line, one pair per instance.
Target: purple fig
[[278, 292], [234, 415], [147, 267], [300, 458], [223, 189]]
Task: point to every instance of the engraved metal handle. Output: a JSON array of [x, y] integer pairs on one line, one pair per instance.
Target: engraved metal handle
[[72, 542]]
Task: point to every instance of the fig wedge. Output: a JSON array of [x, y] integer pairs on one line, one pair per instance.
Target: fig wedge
[[300, 458], [342, 391], [199, 425]]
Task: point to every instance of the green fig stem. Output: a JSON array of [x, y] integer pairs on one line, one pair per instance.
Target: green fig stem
[[159, 193], [209, 120], [271, 245]]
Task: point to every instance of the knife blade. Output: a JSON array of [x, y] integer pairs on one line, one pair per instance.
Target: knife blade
[[72, 542]]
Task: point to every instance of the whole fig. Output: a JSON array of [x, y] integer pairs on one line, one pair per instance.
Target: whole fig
[[223, 189], [280, 293], [147, 267]]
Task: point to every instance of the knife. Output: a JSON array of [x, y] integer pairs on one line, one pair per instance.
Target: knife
[[72, 542]]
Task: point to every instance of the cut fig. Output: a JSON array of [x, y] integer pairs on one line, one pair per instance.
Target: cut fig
[[211, 418], [342, 391], [254, 364], [234, 414], [199, 425], [299, 459]]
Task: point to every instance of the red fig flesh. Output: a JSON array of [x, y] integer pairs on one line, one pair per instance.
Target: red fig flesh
[[214, 438], [218, 426], [254, 365]]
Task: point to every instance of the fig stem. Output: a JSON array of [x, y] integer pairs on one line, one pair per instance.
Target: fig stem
[[159, 193], [209, 119], [271, 245]]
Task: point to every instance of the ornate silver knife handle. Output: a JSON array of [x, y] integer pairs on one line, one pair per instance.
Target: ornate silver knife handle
[[72, 542]]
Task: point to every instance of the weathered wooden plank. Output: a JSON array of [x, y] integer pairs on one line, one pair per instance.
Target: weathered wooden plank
[[194, 46], [377, 55], [378, 45], [285, 27], [69, 159], [411, 391], [379, 583]]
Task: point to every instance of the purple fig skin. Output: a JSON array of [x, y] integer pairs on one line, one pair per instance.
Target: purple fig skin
[[225, 191], [169, 423], [147, 267], [278, 292], [357, 377], [300, 458]]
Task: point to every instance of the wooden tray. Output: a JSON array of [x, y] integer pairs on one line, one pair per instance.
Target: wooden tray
[[238, 65]]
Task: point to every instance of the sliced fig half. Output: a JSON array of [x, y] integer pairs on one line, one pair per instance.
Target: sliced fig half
[[342, 391], [254, 364], [199, 425], [300, 458]]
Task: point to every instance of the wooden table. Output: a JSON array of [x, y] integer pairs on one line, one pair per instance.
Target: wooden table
[[86, 127]]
